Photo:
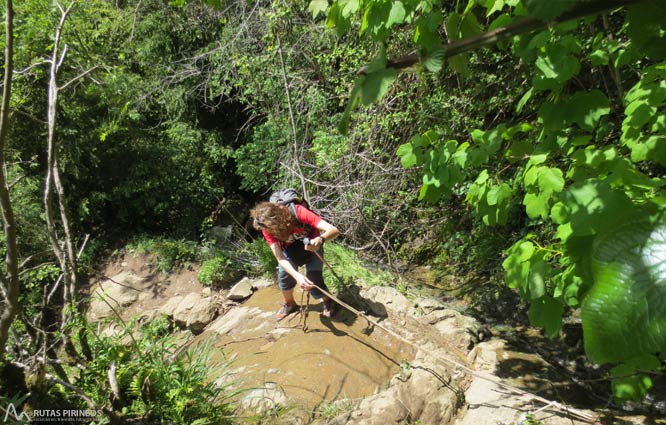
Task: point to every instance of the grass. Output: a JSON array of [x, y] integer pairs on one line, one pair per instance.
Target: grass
[[331, 410], [351, 269], [169, 253]]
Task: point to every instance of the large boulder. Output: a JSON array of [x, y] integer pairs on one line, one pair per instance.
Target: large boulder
[[169, 308], [421, 394], [241, 290], [114, 294], [379, 299], [195, 312]]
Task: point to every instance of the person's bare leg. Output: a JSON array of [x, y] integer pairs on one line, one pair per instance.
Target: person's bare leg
[[288, 296]]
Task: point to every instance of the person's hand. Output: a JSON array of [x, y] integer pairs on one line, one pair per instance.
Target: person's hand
[[305, 283], [314, 244]]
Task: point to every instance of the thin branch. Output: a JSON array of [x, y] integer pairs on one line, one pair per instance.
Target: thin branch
[[78, 77], [520, 27], [34, 65], [291, 119], [62, 57]]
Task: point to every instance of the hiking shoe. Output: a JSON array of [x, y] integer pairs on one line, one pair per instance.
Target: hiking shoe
[[330, 308], [285, 310]]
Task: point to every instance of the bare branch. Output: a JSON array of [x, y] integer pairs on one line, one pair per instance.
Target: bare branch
[[62, 56], [78, 77]]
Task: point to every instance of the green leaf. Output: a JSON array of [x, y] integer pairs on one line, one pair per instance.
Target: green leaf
[[459, 63], [599, 58], [624, 313], [378, 63], [550, 180], [647, 29], [546, 313], [523, 100], [407, 156], [531, 177], [434, 60], [375, 20], [553, 116], [425, 34], [348, 7], [335, 19], [317, 7], [588, 108], [376, 85], [397, 14], [593, 202], [537, 277], [494, 6], [567, 285], [557, 64], [519, 150], [517, 264], [352, 104], [536, 205], [560, 213], [628, 383], [501, 21], [547, 10]]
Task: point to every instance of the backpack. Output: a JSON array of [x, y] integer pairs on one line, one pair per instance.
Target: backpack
[[289, 198]]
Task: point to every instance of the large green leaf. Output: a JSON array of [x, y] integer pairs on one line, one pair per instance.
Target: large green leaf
[[376, 85], [593, 202], [546, 313], [624, 313], [647, 28], [556, 65]]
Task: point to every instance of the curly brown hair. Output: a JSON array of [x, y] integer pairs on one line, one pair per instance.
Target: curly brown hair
[[273, 218]]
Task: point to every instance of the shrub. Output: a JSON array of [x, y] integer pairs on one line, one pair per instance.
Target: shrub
[[156, 385], [170, 253], [217, 270], [261, 252]]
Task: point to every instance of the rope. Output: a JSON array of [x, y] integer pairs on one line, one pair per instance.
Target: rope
[[570, 411], [304, 312]]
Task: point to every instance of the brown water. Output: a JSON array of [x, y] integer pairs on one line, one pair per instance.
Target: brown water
[[333, 359]]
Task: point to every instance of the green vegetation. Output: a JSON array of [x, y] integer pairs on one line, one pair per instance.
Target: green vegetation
[[352, 270], [487, 138], [154, 382], [582, 162], [168, 253], [217, 270]]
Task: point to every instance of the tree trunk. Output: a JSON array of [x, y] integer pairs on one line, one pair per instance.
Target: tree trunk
[[9, 283], [63, 250]]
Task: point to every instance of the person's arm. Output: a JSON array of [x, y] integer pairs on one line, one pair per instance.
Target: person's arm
[[302, 281], [327, 232]]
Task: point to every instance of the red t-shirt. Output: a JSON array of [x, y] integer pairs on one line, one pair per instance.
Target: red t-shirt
[[305, 216]]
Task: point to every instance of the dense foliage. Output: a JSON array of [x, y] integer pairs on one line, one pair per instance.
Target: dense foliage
[[582, 157], [435, 133]]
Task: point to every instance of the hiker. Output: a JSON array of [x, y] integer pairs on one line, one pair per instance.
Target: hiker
[[286, 228]]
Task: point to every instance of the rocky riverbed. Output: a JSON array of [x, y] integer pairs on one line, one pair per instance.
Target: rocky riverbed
[[445, 369]]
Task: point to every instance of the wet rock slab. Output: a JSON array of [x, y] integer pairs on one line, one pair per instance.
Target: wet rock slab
[[331, 360]]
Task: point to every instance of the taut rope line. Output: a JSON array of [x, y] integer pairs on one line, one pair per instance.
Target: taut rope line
[[574, 412]]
